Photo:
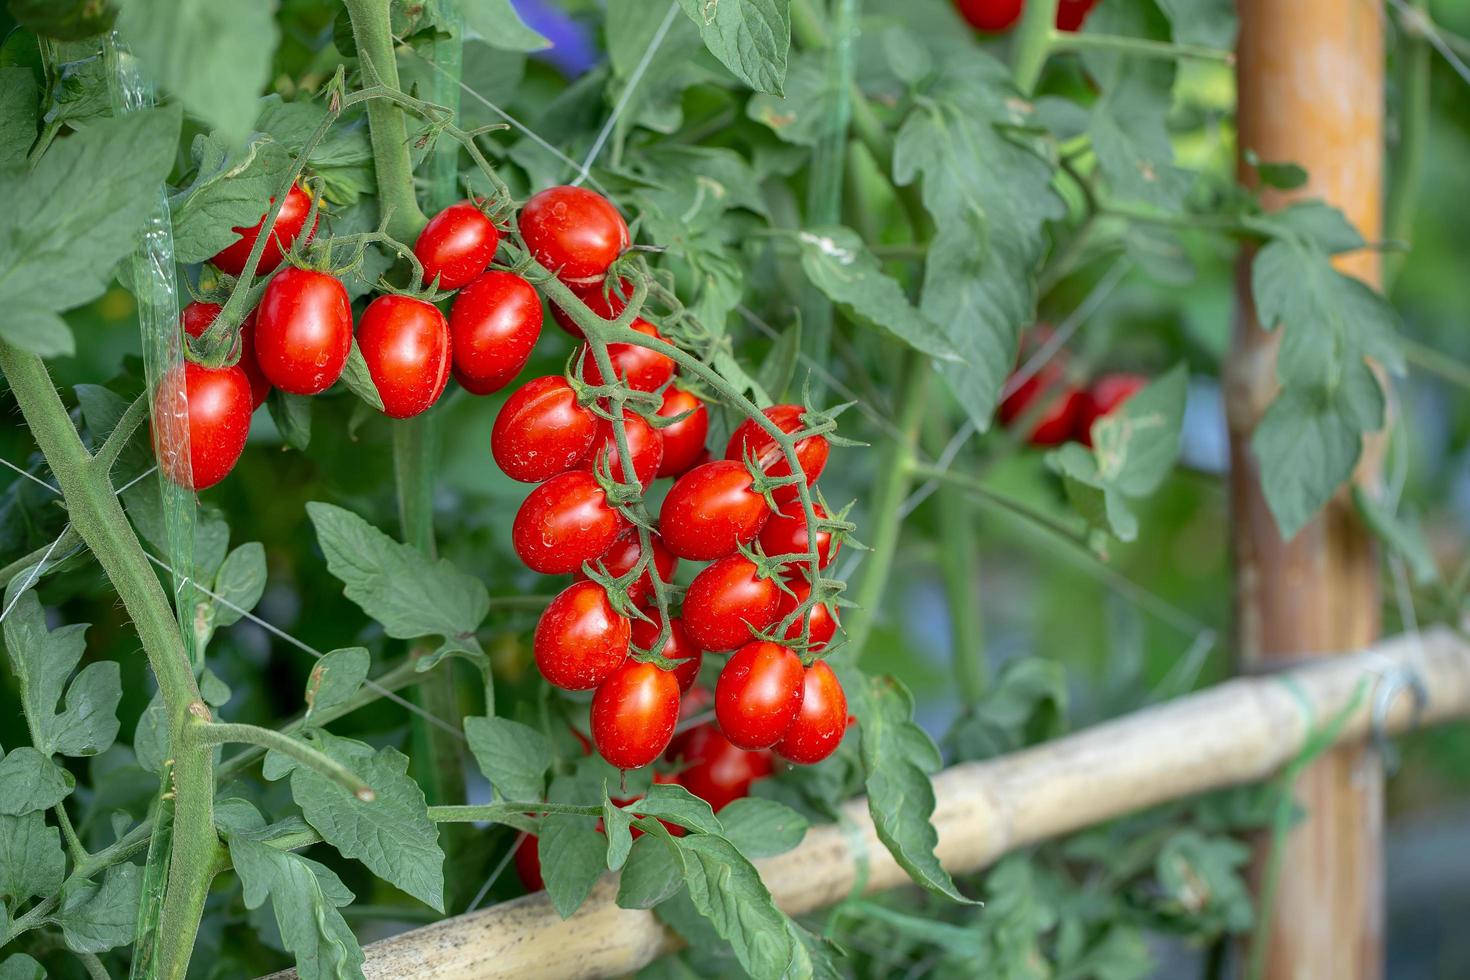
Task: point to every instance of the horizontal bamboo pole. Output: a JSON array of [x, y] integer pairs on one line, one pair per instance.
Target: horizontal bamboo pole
[[1238, 732]]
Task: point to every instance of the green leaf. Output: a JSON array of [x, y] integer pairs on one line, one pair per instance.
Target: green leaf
[[32, 327], [1282, 176], [573, 856], [18, 111], [1401, 532], [239, 582], [1312, 223], [409, 594], [95, 918], [840, 265], [19, 966], [305, 897], [32, 782], [726, 889], [31, 860], [1200, 879], [392, 835], [81, 95], [898, 759], [230, 189], [42, 660], [800, 114], [72, 218], [750, 37], [215, 57], [498, 25], [358, 380], [762, 828], [674, 803], [292, 415], [342, 159], [652, 874], [335, 679], [514, 757], [617, 826], [1209, 23], [779, 367], [1026, 703]]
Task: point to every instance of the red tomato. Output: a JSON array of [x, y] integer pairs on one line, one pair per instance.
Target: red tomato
[[1105, 395], [678, 646], [405, 343], [289, 223], [811, 452], [541, 430], [684, 440], [633, 714], [303, 331], [528, 863], [624, 554], [196, 318], [564, 522], [726, 601], [641, 368], [785, 534], [990, 15], [711, 510], [823, 617], [493, 326], [759, 694], [1071, 13], [1061, 400], [580, 638], [216, 404], [456, 245], [716, 771], [574, 232], [644, 441], [599, 299], [822, 720]]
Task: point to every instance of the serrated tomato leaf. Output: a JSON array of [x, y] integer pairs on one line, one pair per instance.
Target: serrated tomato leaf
[[513, 756], [750, 37]]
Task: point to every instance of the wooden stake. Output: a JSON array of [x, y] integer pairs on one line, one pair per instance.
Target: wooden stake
[[1311, 93]]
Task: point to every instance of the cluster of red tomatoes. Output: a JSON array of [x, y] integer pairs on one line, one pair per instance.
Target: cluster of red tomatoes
[[994, 16], [1056, 408]]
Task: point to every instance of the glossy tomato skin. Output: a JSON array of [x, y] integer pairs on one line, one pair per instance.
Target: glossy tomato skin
[[564, 522], [598, 298], [641, 368], [405, 343], [1061, 400], [580, 639], [528, 863], [728, 599], [759, 694], [811, 452], [542, 431], [573, 232], [633, 714], [823, 617], [684, 440], [289, 223], [785, 534], [456, 245], [822, 720], [990, 16], [217, 419], [493, 327], [1102, 397], [678, 646], [624, 553], [714, 769], [196, 318], [645, 443], [303, 331], [711, 510]]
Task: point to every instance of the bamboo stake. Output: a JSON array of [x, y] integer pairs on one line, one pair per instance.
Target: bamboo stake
[[1311, 92], [1239, 732]]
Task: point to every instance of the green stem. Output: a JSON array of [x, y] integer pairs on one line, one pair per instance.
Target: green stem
[[73, 842], [218, 733], [118, 438], [64, 543], [1403, 190], [492, 812], [959, 570], [1075, 42], [1431, 361], [1032, 43], [124, 848]]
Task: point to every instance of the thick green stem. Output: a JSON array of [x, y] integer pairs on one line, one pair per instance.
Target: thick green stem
[[1073, 42], [1403, 189], [1032, 43], [960, 569]]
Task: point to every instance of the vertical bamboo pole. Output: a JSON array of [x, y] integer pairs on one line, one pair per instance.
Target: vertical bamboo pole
[[1311, 92]]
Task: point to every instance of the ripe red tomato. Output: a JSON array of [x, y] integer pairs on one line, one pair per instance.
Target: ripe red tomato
[[644, 441], [633, 714], [493, 327], [289, 223], [811, 452], [574, 232], [541, 430], [456, 245], [580, 638], [990, 15], [684, 440], [716, 771], [528, 863], [563, 523], [405, 343], [678, 646], [598, 298], [303, 331], [1062, 402], [641, 368], [823, 617], [785, 534], [1071, 13], [1105, 395], [215, 405], [624, 554], [726, 601], [759, 694], [711, 510], [196, 318], [822, 720]]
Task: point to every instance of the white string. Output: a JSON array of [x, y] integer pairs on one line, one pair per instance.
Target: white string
[[499, 870], [35, 573], [129, 485], [627, 93], [1415, 21], [31, 476]]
